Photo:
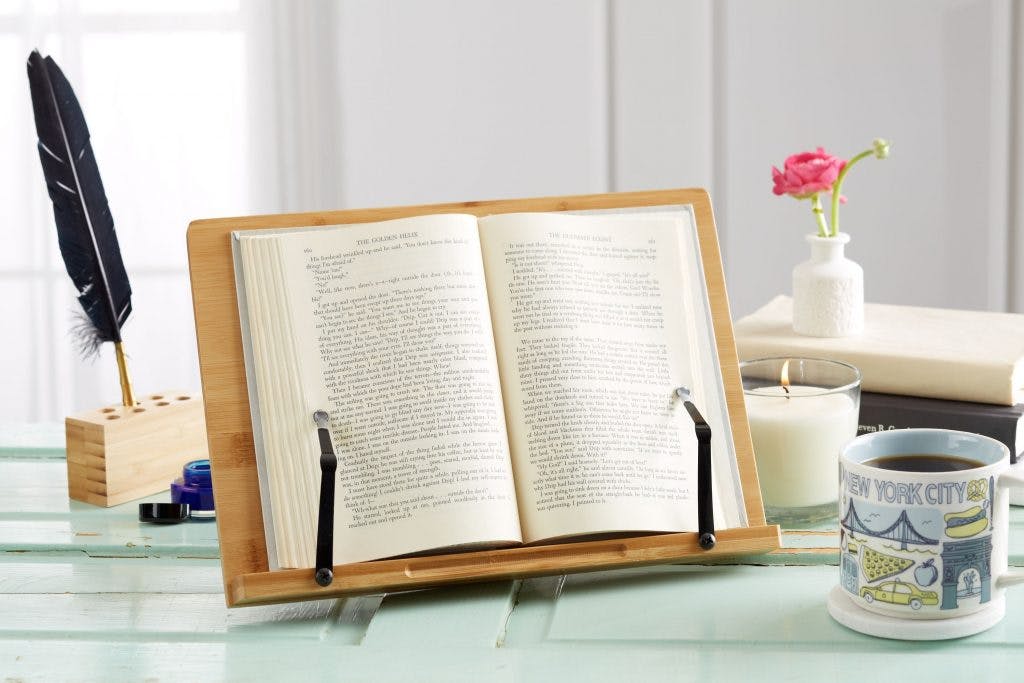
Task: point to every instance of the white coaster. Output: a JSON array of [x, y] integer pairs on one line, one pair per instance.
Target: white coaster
[[848, 613]]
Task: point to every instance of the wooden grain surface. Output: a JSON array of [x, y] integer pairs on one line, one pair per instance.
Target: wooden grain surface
[[92, 603], [236, 487], [120, 453]]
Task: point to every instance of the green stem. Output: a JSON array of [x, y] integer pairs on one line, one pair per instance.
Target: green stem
[[838, 186], [819, 213]]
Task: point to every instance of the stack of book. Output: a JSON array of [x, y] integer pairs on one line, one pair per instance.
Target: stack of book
[[879, 412], [920, 367]]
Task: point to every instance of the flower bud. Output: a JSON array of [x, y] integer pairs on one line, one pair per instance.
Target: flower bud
[[880, 147]]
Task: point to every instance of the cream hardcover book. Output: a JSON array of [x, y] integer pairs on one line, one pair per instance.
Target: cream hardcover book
[[490, 381], [930, 352]]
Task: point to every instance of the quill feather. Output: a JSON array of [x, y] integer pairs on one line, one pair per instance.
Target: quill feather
[[85, 228]]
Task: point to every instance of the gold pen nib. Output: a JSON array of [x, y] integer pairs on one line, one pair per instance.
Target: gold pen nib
[[127, 396]]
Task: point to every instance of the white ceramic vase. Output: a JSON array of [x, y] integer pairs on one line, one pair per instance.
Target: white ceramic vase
[[828, 291]]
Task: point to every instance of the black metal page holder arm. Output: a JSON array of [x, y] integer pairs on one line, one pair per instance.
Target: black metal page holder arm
[[705, 508], [325, 523]]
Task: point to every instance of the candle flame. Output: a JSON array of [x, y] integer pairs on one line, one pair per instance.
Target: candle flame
[[784, 379]]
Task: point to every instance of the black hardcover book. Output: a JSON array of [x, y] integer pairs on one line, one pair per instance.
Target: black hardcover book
[[880, 412]]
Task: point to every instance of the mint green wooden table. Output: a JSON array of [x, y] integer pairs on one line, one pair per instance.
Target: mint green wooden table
[[90, 594]]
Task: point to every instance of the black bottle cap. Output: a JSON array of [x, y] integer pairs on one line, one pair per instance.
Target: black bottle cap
[[163, 513]]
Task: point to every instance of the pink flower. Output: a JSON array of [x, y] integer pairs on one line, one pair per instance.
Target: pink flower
[[807, 173]]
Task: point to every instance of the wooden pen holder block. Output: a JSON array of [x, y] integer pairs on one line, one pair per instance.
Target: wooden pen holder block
[[116, 454]]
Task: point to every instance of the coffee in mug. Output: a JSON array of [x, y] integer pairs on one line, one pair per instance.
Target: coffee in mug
[[923, 462]]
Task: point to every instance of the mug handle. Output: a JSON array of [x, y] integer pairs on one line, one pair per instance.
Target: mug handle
[[1009, 479]]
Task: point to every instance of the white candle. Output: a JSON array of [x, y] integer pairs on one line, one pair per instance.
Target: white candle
[[797, 442]]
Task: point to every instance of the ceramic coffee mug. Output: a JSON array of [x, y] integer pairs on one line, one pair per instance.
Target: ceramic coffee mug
[[926, 545]]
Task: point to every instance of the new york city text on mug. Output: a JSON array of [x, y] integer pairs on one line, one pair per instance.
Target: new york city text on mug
[[924, 522], [900, 492]]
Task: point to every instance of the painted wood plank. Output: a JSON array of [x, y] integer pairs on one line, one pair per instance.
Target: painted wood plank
[[108, 537], [772, 607], [531, 619], [809, 540], [258, 660], [735, 604], [37, 440], [86, 594], [691, 624], [43, 574], [119, 615], [254, 660], [17, 475], [468, 616], [33, 487], [37, 516]]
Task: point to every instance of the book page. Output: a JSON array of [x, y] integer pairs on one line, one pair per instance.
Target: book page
[[593, 336], [387, 327]]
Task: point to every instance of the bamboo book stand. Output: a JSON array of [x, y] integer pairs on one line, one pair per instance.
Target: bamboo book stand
[[247, 577]]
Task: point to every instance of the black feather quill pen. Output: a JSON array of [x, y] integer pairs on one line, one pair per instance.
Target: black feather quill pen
[[85, 228]]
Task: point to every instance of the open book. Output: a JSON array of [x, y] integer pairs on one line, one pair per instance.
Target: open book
[[490, 382]]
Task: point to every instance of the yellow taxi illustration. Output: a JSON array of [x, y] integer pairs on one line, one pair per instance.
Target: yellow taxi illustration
[[899, 593]]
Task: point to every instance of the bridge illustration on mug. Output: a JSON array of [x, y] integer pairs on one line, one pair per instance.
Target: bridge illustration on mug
[[901, 531]]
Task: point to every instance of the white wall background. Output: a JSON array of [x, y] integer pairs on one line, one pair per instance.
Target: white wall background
[[359, 103]]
